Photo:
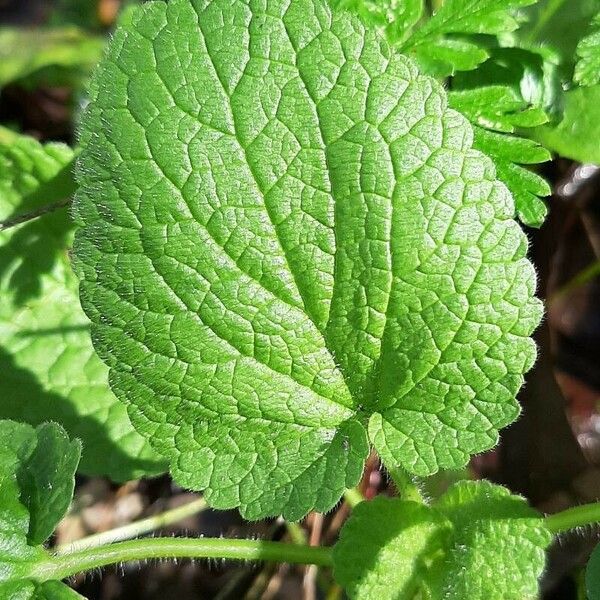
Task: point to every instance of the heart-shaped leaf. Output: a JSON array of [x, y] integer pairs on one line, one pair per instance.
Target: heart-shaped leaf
[[287, 240]]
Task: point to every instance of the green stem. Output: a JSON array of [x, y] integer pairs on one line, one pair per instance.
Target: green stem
[[586, 514], [353, 497], [34, 214], [66, 565], [133, 530], [296, 533], [587, 274], [405, 485]]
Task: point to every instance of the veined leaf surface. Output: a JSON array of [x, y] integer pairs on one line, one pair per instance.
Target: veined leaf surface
[[288, 247]]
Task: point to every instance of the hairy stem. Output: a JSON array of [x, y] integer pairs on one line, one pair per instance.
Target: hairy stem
[[406, 485], [34, 214], [586, 514], [296, 533], [66, 565], [133, 530], [353, 497]]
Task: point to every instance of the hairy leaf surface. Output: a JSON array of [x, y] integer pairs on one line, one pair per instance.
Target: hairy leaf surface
[[287, 239], [477, 542], [48, 369]]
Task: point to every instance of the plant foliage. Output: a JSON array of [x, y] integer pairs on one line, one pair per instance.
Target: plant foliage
[[47, 364], [587, 69], [37, 468], [287, 241], [477, 541]]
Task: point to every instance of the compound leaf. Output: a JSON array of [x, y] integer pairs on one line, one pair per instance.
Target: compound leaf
[[47, 364], [445, 43], [476, 542], [37, 477], [394, 19], [496, 111], [285, 235], [587, 68]]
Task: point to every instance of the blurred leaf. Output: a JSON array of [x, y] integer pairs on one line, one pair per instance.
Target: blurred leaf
[[32, 175], [592, 575], [83, 13], [576, 135], [587, 69], [48, 366], [558, 25], [66, 52], [46, 480]]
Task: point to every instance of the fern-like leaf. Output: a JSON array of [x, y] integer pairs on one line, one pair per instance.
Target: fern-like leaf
[[587, 69]]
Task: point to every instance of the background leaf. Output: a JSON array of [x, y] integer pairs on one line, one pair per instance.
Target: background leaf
[[47, 364], [57, 55], [477, 542], [587, 69], [559, 27], [46, 479], [592, 575], [37, 471], [576, 134]]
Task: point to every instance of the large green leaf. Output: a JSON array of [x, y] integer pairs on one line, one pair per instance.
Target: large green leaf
[[48, 369], [477, 542], [287, 238], [37, 470]]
